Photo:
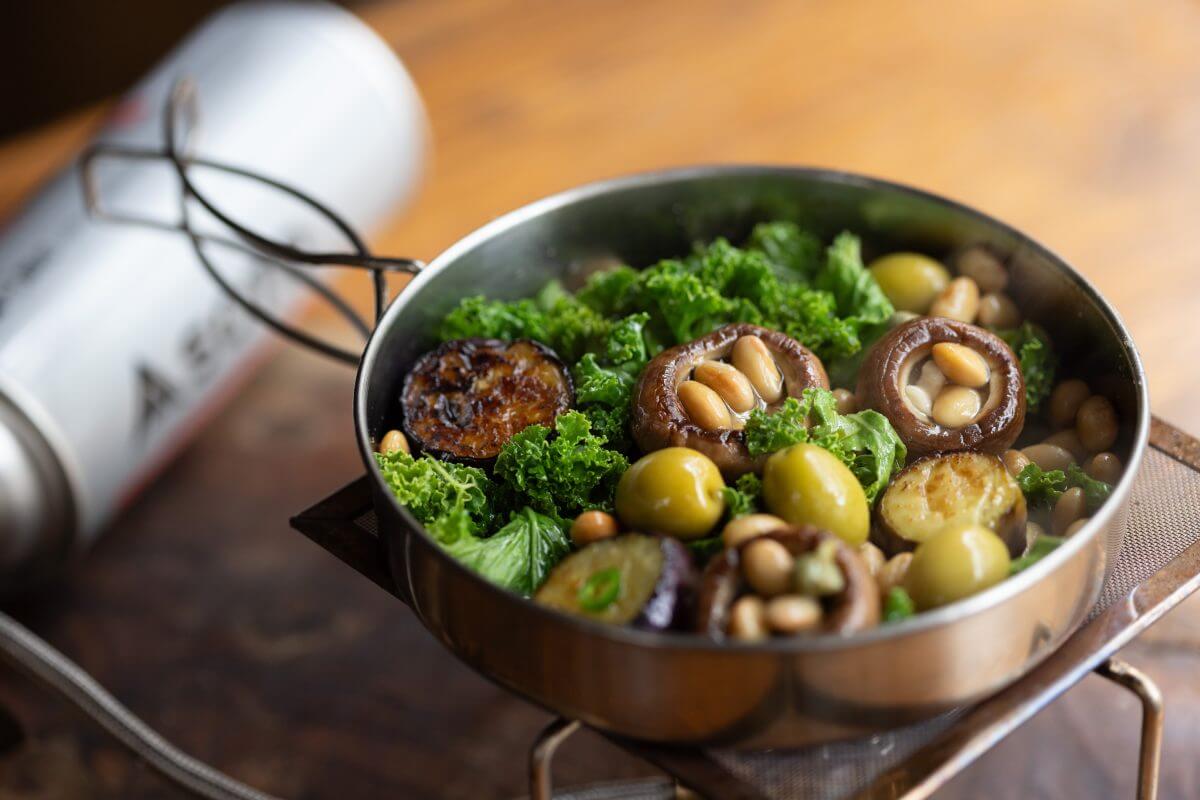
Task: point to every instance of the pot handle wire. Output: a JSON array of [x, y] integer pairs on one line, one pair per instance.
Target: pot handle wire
[[180, 120]]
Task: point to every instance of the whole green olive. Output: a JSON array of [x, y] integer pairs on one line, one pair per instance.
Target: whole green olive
[[675, 491], [956, 563], [910, 280], [807, 485]]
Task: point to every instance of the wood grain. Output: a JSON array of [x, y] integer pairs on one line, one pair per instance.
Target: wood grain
[[1075, 121]]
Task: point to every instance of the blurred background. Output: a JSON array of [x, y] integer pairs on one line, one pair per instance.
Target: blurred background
[[1074, 121]]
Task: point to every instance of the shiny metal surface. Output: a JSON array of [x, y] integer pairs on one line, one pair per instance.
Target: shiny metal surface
[[1150, 745], [37, 522], [673, 688]]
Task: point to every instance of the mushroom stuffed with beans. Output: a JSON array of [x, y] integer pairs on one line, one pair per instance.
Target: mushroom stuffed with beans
[[945, 385], [665, 448], [699, 394]]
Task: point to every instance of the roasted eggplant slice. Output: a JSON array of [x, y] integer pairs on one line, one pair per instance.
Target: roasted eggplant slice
[[465, 399], [945, 386], [697, 394], [949, 491], [853, 607], [646, 581]]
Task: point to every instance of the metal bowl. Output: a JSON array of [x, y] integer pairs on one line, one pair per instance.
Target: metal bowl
[[682, 688]]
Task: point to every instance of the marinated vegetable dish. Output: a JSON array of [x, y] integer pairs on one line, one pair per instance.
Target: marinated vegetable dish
[[766, 441]]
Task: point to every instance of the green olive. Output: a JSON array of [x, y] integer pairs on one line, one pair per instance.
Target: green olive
[[956, 563], [910, 280], [807, 485], [676, 491]]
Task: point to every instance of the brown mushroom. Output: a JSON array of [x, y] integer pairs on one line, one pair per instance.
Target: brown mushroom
[[464, 399], [901, 378], [856, 607], [708, 419]]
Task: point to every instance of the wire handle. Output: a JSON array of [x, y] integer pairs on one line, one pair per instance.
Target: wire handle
[[180, 121]]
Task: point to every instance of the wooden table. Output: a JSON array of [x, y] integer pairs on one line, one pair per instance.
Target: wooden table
[[1074, 121]]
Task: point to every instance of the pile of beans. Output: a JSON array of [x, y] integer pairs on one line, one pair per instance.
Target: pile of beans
[[720, 394], [951, 386], [1086, 427], [786, 589]]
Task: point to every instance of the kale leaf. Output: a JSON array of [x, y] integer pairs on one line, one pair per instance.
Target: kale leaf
[[720, 284], [1037, 359], [1043, 488], [744, 497], [859, 297], [431, 489], [1095, 492], [788, 247], [563, 474], [518, 557], [1042, 546]]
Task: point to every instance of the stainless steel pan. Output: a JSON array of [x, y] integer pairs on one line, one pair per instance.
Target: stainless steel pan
[[675, 688]]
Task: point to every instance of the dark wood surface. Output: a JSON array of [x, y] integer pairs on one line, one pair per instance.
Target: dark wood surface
[[252, 648]]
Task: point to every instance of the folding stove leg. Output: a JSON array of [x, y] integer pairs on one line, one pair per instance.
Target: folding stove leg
[[541, 757], [1152, 721]]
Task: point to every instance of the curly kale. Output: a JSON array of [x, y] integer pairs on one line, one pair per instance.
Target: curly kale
[[561, 474], [431, 489]]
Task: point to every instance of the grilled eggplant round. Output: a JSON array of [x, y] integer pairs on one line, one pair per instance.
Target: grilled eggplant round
[[660, 419], [856, 607], [463, 400], [883, 382], [646, 581], [955, 490]]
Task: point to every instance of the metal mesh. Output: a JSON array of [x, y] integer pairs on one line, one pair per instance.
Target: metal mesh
[[1164, 519]]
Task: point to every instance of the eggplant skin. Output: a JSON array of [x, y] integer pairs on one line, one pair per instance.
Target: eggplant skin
[[672, 604], [659, 419], [855, 608], [938, 492], [658, 582], [464, 399], [879, 387]]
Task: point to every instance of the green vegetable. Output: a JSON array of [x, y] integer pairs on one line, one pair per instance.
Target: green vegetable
[[1037, 359], [518, 557], [600, 590], [431, 489], [1044, 488], [766, 283], [1095, 492], [563, 474], [494, 319], [787, 247], [605, 394], [744, 497], [864, 441], [604, 380], [704, 549], [721, 284], [859, 298], [554, 318], [1042, 546], [1041, 488], [898, 605]]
